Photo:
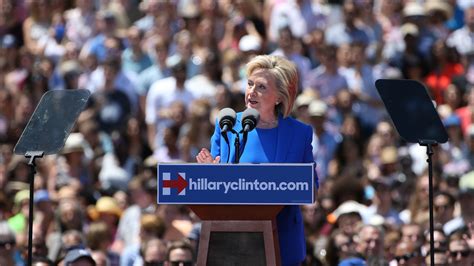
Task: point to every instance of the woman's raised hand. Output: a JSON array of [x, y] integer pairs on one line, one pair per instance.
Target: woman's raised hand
[[204, 156]]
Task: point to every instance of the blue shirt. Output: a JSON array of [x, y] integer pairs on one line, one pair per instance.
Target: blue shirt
[[132, 65]]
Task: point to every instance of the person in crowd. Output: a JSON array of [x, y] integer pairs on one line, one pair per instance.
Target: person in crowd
[[142, 194], [286, 48], [445, 66], [459, 251], [158, 70], [134, 58], [271, 90], [41, 261], [458, 37], [340, 247], [347, 31], [407, 253], [195, 133], [151, 227], [99, 238], [37, 24], [180, 253], [444, 204], [153, 252], [8, 245], [325, 139], [326, 79], [78, 257], [369, 244], [466, 199], [162, 94]]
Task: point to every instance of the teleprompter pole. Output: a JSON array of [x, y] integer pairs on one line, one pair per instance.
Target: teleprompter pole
[[32, 155]]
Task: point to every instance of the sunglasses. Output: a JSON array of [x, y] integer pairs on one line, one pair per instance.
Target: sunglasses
[[442, 207], [464, 253], [406, 257], [181, 263], [154, 263]]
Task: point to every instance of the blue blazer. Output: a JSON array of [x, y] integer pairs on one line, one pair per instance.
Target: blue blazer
[[293, 146]]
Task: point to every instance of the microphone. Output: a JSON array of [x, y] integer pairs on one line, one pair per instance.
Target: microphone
[[250, 119], [226, 118]]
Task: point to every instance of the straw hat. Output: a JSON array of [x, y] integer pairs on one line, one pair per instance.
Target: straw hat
[[104, 205], [439, 5]]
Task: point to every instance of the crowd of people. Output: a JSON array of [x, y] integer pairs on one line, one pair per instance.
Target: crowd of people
[[159, 72]]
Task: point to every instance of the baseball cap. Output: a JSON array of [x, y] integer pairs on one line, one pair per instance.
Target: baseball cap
[[452, 120], [317, 108], [8, 41], [41, 196], [250, 43], [466, 183], [304, 99], [409, 29], [347, 207], [76, 254], [412, 9]]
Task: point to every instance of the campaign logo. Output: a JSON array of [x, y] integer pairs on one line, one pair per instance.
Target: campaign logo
[[180, 184]]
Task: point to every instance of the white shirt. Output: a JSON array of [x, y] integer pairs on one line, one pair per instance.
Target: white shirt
[[124, 81], [327, 85], [462, 39], [201, 87], [161, 95]]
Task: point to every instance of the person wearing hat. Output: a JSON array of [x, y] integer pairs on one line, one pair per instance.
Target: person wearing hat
[[348, 216], [415, 13], [78, 257], [302, 103], [18, 222], [250, 46], [438, 12], [325, 141], [161, 96]]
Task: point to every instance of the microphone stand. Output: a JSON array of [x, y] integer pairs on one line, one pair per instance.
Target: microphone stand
[[244, 141], [236, 146], [224, 134]]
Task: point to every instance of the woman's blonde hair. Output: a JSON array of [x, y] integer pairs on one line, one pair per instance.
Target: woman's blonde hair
[[286, 79]]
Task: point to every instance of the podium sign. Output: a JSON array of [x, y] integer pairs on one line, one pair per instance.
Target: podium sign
[[236, 184]]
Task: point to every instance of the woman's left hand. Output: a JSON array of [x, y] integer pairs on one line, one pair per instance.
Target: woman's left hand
[[204, 156]]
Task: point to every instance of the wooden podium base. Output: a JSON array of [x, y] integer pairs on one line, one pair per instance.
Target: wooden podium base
[[239, 243], [238, 235]]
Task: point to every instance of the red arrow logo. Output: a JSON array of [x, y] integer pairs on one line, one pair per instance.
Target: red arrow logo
[[179, 183]]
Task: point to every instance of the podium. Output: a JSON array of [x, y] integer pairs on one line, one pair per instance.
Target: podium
[[238, 205], [256, 226]]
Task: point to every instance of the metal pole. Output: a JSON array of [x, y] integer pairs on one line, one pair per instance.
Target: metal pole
[[32, 164], [429, 152]]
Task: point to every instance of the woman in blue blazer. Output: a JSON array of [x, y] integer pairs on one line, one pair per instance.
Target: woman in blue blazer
[[278, 138]]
